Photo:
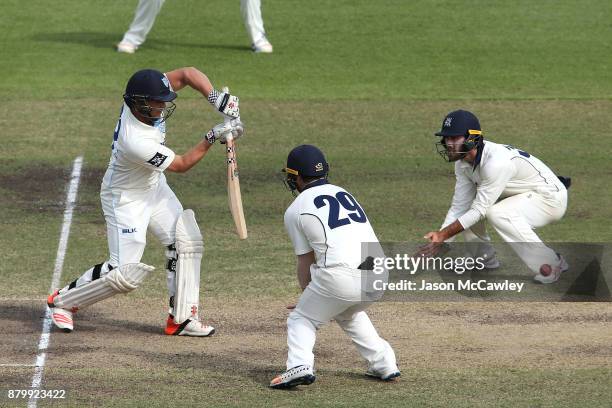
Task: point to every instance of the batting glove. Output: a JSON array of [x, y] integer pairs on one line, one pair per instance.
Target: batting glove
[[220, 131], [226, 104]]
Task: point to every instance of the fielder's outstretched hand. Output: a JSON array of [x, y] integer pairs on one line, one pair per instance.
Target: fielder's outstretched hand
[[220, 131], [228, 105]]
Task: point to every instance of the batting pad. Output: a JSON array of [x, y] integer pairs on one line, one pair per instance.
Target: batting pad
[[189, 247], [124, 279]]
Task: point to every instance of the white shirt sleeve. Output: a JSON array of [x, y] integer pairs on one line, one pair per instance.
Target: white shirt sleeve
[[296, 233], [314, 231], [149, 154], [494, 177], [465, 191]]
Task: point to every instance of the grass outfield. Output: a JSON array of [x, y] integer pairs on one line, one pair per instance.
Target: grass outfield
[[369, 82]]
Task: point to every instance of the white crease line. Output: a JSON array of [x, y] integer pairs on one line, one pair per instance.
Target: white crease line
[[17, 365], [20, 299], [57, 274]]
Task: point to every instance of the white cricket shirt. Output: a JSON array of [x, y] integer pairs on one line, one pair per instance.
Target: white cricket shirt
[[328, 220], [138, 155], [500, 171]]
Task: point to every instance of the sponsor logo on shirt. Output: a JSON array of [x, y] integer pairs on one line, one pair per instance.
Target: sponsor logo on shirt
[[158, 159], [128, 230]]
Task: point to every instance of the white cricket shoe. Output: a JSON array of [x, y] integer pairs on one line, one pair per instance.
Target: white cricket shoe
[[189, 327], [61, 318], [492, 263], [299, 375], [262, 46], [389, 375], [551, 273], [126, 47]]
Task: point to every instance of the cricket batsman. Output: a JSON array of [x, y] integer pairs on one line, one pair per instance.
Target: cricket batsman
[[512, 189], [327, 227], [136, 197]]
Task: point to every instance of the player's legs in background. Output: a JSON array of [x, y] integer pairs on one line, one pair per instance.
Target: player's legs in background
[[253, 21], [515, 218], [375, 350], [144, 17]]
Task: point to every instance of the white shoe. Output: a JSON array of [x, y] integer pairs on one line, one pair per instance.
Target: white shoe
[[189, 327], [262, 46], [563, 263], [551, 274], [126, 47], [300, 375], [386, 376], [492, 263]]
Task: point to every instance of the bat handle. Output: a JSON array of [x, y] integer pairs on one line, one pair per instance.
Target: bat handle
[[229, 137]]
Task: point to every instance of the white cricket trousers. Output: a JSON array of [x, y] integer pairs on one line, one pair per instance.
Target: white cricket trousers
[[129, 214], [341, 301], [515, 218], [147, 11]]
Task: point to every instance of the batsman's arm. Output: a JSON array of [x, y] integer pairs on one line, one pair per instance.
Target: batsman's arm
[[226, 104], [184, 162], [303, 268], [192, 77]]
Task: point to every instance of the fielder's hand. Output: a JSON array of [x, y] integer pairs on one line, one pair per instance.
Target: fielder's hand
[[228, 105], [220, 131], [435, 245]]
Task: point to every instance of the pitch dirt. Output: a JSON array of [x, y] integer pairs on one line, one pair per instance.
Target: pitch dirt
[[117, 353]]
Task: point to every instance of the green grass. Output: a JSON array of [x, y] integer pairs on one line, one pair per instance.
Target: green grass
[[369, 82]]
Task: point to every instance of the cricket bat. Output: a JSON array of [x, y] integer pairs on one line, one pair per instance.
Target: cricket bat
[[233, 185]]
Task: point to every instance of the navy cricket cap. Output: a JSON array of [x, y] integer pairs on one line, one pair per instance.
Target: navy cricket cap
[[150, 84], [460, 123], [306, 161]]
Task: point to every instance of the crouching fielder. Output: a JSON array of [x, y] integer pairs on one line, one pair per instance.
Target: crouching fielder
[[327, 227], [512, 189], [136, 197]]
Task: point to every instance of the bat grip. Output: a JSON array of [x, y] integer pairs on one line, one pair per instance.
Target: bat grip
[[229, 136]]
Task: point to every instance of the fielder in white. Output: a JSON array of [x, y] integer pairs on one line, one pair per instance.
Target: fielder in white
[[135, 198], [147, 11], [512, 189], [327, 227]]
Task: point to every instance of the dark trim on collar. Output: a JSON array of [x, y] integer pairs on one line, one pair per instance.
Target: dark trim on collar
[[315, 183], [480, 148]]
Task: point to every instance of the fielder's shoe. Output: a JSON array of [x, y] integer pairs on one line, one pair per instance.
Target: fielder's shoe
[[300, 375], [491, 263], [552, 273], [126, 47], [189, 327], [62, 318], [262, 46], [386, 376]]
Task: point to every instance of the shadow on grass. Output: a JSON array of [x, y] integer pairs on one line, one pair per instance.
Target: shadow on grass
[[108, 40], [256, 372]]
